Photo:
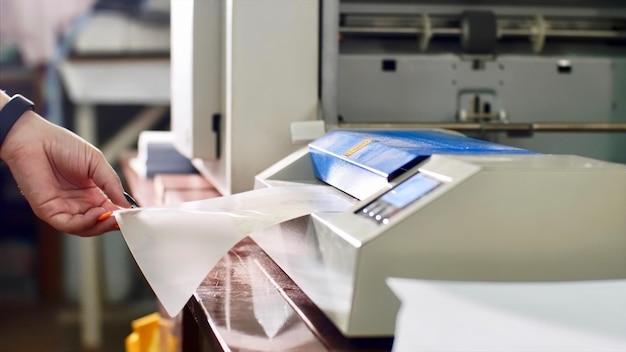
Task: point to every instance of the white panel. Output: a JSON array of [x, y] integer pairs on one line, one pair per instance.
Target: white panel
[[196, 55], [274, 81], [258, 60]]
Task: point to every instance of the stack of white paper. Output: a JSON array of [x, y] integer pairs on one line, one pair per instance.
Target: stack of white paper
[[450, 316]]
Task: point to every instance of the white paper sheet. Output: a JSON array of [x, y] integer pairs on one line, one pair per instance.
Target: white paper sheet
[[495, 316], [176, 247]]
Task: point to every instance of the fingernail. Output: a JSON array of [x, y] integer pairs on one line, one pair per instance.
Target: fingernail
[[105, 216]]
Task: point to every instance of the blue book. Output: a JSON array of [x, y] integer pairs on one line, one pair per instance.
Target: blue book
[[356, 160]]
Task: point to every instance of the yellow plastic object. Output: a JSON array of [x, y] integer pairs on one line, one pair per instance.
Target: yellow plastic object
[[151, 334]]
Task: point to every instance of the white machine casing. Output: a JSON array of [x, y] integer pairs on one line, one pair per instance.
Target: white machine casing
[[493, 218]]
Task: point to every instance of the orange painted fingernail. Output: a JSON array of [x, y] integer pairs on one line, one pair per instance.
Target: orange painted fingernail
[[105, 216]]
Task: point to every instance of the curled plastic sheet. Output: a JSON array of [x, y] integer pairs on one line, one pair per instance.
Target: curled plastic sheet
[[175, 247], [510, 316]]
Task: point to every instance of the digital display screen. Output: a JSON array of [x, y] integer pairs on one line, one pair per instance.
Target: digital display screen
[[410, 190]]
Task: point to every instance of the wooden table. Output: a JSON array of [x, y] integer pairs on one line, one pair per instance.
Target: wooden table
[[246, 302]]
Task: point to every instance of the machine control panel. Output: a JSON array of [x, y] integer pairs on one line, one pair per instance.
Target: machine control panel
[[392, 202]]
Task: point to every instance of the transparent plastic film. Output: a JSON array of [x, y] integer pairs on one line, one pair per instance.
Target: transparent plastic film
[[175, 247]]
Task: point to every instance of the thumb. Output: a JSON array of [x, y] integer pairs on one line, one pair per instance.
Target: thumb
[[107, 180]]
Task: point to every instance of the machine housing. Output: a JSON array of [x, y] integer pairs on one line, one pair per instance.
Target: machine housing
[[471, 217]]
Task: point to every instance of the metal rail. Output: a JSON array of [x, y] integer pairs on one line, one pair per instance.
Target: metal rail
[[502, 32], [498, 127]]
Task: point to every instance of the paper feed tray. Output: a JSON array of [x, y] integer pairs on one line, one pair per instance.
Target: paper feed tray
[[362, 162]]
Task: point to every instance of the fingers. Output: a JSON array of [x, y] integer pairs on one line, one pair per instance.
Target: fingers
[[95, 222]]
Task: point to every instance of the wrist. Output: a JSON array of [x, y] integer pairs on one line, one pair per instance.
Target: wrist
[[11, 111], [4, 98], [18, 136]]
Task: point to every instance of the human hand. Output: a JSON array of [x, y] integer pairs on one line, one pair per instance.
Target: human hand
[[67, 181]]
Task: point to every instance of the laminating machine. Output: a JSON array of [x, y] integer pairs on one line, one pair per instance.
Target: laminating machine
[[438, 205]]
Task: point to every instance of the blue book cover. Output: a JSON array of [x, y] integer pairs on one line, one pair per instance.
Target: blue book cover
[[349, 159]]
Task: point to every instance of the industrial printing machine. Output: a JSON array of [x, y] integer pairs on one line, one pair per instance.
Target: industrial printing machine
[[480, 141]]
